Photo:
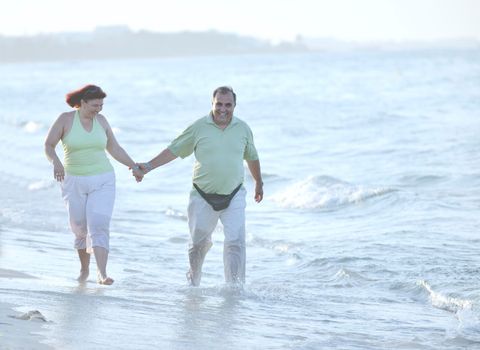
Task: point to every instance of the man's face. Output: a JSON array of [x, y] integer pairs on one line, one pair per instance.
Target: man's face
[[222, 108]]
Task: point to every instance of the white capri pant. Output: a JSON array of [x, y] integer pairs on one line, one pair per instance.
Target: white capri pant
[[89, 201], [202, 220]]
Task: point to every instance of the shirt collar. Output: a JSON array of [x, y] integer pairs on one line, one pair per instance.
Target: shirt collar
[[209, 118]]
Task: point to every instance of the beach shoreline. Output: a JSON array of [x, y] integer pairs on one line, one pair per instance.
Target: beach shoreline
[[20, 330]]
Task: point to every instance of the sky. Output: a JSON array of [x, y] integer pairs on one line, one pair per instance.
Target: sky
[[275, 20]]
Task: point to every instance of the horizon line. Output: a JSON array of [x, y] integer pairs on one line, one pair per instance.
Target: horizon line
[[125, 28]]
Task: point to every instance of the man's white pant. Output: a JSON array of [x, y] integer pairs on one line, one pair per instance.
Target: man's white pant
[[89, 201], [202, 220]]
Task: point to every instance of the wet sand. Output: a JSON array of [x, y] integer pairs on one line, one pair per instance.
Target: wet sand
[[19, 329]]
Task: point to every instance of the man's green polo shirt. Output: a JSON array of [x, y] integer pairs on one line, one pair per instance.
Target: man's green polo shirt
[[219, 153]]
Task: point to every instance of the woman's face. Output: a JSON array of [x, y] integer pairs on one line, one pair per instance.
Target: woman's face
[[92, 107]]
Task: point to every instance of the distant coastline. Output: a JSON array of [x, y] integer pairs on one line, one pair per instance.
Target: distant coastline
[[121, 42]]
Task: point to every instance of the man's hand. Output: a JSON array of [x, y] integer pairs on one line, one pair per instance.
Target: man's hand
[[258, 192], [145, 167]]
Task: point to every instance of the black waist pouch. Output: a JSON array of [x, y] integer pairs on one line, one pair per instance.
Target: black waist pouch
[[218, 201]]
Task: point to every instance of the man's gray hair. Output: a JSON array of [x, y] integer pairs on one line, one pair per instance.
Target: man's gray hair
[[225, 90]]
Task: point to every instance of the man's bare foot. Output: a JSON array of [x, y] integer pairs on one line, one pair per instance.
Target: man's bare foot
[[106, 281], [193, 279], [83, 276]]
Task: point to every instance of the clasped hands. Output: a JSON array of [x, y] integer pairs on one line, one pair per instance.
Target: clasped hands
[[139, 170]]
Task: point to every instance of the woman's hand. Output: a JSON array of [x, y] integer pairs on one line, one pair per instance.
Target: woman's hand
[[58, 171], [137, 172]]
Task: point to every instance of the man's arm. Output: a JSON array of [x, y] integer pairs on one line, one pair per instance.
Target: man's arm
[[162, 158], [254, 167]]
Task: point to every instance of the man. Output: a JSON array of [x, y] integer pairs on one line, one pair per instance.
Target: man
[[220, 142]]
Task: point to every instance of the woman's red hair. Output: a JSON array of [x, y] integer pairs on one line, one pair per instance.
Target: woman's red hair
[[86, 93]]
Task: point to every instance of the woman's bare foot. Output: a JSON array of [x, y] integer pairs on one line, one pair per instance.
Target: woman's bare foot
[[83, 276], [106, 281]]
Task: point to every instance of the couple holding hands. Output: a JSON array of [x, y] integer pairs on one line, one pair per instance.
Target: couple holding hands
[[220, 142]]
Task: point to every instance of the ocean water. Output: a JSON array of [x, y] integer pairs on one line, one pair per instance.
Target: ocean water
[[367, 238]]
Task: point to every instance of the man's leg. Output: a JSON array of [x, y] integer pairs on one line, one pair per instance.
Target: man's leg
[[234, 252], [202, 220]]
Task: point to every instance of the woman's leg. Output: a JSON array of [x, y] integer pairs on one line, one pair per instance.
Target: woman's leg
[[99, 212], [75, 201], [84, 264], [101, 256]]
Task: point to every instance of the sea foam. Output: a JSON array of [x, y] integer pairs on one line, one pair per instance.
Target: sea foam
[[325, 192]]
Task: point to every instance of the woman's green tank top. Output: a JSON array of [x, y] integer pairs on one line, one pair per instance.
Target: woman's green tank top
[[85, 151]]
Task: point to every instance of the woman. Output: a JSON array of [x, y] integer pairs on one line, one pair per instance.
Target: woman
[[87, 177]]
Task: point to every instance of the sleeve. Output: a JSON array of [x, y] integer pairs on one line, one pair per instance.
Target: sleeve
[[250, 152], [183, 145]]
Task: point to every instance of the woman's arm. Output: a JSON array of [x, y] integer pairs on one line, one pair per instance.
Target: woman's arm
[[54, 136], [117, 152]]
